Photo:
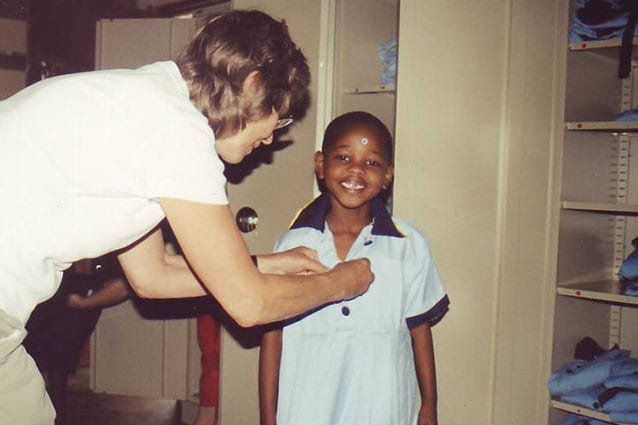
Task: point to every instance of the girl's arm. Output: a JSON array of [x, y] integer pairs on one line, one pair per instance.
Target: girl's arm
[[269, 364], [218, 255], [113, 292], [423, 348]]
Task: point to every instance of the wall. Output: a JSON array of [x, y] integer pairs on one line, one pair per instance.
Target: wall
[[475, 129]]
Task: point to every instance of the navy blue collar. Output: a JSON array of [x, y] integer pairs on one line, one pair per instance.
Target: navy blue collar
[[314, 215]]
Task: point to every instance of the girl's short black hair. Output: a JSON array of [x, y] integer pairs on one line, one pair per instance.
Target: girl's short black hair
[[351, 120]]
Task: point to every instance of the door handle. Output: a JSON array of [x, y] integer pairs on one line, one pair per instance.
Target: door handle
[[246, 219]]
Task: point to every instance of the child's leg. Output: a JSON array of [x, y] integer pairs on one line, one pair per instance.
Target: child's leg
[[208, 337]]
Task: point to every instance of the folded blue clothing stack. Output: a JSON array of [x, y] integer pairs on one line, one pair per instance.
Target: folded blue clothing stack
[[599, 20], [629, 115], [388, 53], [608, 383], [582, 374], [628, 272]]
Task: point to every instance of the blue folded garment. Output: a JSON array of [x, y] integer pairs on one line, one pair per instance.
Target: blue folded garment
[[624, 367], [580, 374], [388, 53], [623, 381], [623, 401], [630, 288], [587, 397], [608, 24], [630, 115], [628, 417]]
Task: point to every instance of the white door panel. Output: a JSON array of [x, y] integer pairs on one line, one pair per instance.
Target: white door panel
[[133, 355]]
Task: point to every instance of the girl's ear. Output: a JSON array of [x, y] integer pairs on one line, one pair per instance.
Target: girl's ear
[[389, 175], [319, 164]]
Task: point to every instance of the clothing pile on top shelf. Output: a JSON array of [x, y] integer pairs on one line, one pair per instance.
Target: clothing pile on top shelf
[[630, 115], [388, 53], [599, 20], [605, 381], [605, 20], [628, 272]]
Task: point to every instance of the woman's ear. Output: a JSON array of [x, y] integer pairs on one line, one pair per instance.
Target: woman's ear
[[251, 83], [319, 164]]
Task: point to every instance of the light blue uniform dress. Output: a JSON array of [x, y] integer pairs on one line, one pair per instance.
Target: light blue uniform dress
[[352, 362]]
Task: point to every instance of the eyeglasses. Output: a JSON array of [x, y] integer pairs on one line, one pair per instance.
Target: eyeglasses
[[284, 122]]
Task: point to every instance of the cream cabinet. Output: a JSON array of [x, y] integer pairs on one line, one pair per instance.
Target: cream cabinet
[[132, 355], [360, 29], [598, 215]]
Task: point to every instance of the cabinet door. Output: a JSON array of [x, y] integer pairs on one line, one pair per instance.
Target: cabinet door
[[133, 355]]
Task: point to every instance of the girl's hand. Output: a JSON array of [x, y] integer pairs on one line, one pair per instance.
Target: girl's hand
[[76, 301]]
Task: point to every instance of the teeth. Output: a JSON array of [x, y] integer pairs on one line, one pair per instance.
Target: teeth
[[352, 185]]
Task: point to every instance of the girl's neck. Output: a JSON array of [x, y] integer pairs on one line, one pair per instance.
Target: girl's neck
[[349, 221], [346, 225]]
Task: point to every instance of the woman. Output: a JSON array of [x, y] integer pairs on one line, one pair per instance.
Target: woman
[[91, 163]]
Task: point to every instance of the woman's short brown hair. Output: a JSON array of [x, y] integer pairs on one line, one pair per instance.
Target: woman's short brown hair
[[225, 51]]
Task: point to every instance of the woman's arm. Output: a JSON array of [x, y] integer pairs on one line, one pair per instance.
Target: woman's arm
[[423, 348], [269, 365], [219, 257]]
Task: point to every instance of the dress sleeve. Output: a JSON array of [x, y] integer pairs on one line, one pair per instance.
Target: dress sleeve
[[426, 298]]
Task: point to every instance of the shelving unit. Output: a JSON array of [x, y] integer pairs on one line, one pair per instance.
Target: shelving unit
[[598, 210], [360, 30]]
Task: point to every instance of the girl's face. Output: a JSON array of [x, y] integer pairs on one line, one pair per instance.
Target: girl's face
[[355, 168], [234, 148]]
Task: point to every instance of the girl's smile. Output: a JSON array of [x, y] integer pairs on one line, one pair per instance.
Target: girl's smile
[[354, 172]]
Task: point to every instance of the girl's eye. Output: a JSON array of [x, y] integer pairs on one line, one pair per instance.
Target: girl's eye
[[373, 163], [343, 158]]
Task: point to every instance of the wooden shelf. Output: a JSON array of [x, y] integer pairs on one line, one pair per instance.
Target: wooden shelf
[[603, 290], [598, 44], [601, 207], [594, 414], [608, 126], [371, 90]]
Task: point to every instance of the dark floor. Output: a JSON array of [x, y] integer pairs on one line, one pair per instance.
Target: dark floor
[[87, 408]]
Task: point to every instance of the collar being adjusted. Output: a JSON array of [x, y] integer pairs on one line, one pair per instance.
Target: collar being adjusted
[[314, 215]]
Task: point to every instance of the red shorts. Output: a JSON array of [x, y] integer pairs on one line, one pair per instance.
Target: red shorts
[[209, 339]]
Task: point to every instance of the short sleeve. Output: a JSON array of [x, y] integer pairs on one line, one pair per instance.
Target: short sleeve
[[426, 299]]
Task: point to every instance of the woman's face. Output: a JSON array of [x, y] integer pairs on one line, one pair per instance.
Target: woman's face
[[234, 148]]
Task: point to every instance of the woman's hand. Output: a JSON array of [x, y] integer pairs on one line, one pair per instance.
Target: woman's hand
[[355, 277], [300, 260]]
